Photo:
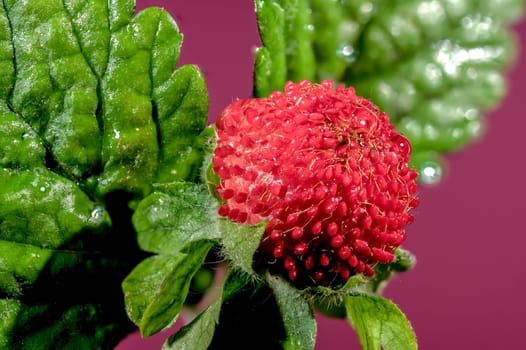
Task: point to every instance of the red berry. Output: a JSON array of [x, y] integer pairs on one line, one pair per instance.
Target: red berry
[[353, 261], [326, 169], [336, 241], [318, 275], [344, 252], [344, 273], [290, 263], [293, 275], [324, 260], [276, 234], [278, 251], [315, 229], [332, 228], [297, 232], [309, 263]]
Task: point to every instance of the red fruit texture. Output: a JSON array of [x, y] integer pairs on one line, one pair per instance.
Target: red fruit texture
[[327, 170]]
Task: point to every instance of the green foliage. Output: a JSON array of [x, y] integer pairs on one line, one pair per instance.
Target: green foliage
[[379, 323], [156, 289], [175, 215], [241, 242], [92, 115], [434, 66], [293, 307], [200, 332]]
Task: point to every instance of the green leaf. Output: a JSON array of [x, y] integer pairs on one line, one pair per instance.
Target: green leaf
[[199, 333], [179, 222], [54, 89], [182, 96], [43, 209], [21, 267], [298, 318], [168, 112], [379, 323], [241, 242], [9, 309], [156, 289], [80, 326], [93, 115], [161, 231], [434, 66], [21, 147]]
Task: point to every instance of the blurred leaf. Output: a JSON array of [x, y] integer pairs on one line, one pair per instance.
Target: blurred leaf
[[433, 66], [270, 71]]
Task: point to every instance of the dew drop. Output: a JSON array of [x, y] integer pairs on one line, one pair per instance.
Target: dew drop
[[42, 189], [430, 173], [97, 215], [366, 8], [346, 52]]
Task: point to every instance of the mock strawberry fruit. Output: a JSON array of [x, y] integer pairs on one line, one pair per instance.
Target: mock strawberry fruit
[[327, 170]]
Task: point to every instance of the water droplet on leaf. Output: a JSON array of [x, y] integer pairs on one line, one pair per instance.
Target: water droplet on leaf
[[430, 173], [97, 215], [346, 52]]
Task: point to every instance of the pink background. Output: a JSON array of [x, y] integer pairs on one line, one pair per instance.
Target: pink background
[[467, 290]]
